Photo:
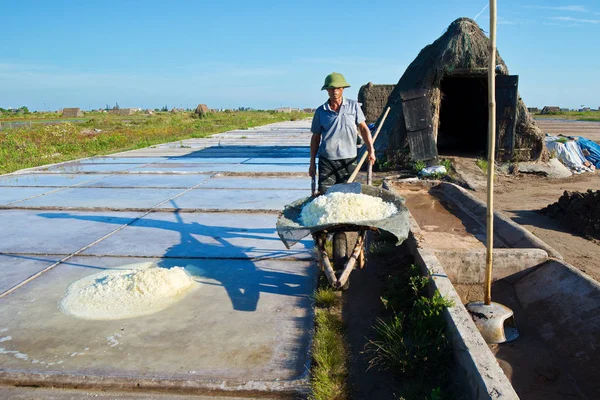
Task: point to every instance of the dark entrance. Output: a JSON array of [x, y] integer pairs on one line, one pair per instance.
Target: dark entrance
[[463, 116]]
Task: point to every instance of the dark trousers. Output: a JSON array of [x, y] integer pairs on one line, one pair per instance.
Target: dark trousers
[[332, 172]]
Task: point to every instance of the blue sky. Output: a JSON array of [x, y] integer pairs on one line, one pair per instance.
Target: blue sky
[[267, 54]]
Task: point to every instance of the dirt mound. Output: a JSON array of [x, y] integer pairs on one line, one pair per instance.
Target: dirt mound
[[579, 211]]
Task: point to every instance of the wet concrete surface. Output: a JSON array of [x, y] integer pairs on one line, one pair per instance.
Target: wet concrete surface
[[15, 269], [59, 180], [56, 232], [229, 182], [245, 329], [149, 181], [10, 195], [106, 198], [237, 199], [444, 226]]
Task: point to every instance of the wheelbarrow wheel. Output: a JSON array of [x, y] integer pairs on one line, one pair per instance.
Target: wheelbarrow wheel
[[340, 246], [340, 255]]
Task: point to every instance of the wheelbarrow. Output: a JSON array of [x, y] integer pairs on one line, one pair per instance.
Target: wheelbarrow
[[291, 230]]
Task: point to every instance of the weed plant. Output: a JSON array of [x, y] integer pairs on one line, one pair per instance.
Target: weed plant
[[411, 340], [482, 164]]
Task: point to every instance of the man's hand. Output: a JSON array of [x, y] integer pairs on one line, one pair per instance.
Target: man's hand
[[372, 156], [312, 170]]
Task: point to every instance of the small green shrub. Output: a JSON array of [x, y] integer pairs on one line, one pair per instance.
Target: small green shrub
[[412, 341], [482, 164], [447, 164], [418, 166]]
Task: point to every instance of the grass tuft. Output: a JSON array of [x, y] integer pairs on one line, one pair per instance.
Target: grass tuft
[[482, 164], [412, 341], [329, 371], [326, 297]]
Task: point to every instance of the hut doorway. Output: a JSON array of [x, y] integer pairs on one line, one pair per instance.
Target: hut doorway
[[463, 122]]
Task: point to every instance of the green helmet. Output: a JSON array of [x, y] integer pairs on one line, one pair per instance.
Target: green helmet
[[335, 80]]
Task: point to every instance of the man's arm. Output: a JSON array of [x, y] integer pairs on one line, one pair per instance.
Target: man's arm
[[315, 140], [365, 133]]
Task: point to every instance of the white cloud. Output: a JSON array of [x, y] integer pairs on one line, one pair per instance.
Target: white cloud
[[571, 19], [572, 8]]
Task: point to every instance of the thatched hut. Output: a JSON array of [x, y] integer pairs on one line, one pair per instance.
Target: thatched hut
[[440, 105], [373, 99]]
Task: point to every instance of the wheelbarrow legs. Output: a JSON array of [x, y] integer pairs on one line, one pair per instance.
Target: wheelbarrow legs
[[341, 282]]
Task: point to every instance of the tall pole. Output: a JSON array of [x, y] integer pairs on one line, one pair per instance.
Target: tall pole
[[491, 154]]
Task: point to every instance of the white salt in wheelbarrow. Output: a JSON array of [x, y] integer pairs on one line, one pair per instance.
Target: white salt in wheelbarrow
[[291, 230]]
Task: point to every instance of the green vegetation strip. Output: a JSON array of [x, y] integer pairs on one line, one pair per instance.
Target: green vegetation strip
[[572, 115], [411, 339], [102, 134], [330, 354]]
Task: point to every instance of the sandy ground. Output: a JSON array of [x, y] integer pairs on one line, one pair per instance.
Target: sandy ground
[[590, 130], [520, 196]]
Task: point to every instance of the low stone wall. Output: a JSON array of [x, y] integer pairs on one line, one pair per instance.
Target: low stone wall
[[373, 99]]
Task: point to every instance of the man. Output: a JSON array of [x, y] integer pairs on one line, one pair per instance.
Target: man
[[334, 134]]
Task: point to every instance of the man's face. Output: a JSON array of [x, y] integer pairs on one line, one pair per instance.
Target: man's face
[[335, 94]]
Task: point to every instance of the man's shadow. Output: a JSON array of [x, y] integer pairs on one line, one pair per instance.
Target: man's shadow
[[235, 271]]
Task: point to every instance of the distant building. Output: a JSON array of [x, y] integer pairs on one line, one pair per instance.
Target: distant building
[[284, 110], [533, 110], [72, 112], [550, 110], [123, 111], [585, 109]]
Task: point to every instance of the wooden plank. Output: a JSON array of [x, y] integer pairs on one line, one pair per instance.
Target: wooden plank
[[506, 113], [419, 124]]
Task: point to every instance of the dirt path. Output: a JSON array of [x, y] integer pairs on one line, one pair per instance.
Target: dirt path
[[590, 130], [519, 196]]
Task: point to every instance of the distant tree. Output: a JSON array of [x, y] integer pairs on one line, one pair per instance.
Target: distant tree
[[165, 108], [116, 107], [24, 110], [107, 107]]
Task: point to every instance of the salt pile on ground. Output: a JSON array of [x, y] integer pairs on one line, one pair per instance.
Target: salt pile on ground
[[345, 208], [126, 293]]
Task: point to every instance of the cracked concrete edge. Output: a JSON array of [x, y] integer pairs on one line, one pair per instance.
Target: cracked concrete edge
[[279, 389], [466, 266], [482, 377], [510, 232]]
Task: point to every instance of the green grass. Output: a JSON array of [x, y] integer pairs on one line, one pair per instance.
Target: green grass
[[418, 166], [447, 164], [411, 340], [326, 297], [573, 115], [45, 144], [330, 366], [329, 371], [482, 164]]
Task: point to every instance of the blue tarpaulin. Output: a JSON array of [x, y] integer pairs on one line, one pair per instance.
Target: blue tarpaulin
[[593, 148]]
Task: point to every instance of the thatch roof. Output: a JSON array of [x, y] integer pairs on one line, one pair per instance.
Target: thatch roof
[[461, 50]]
